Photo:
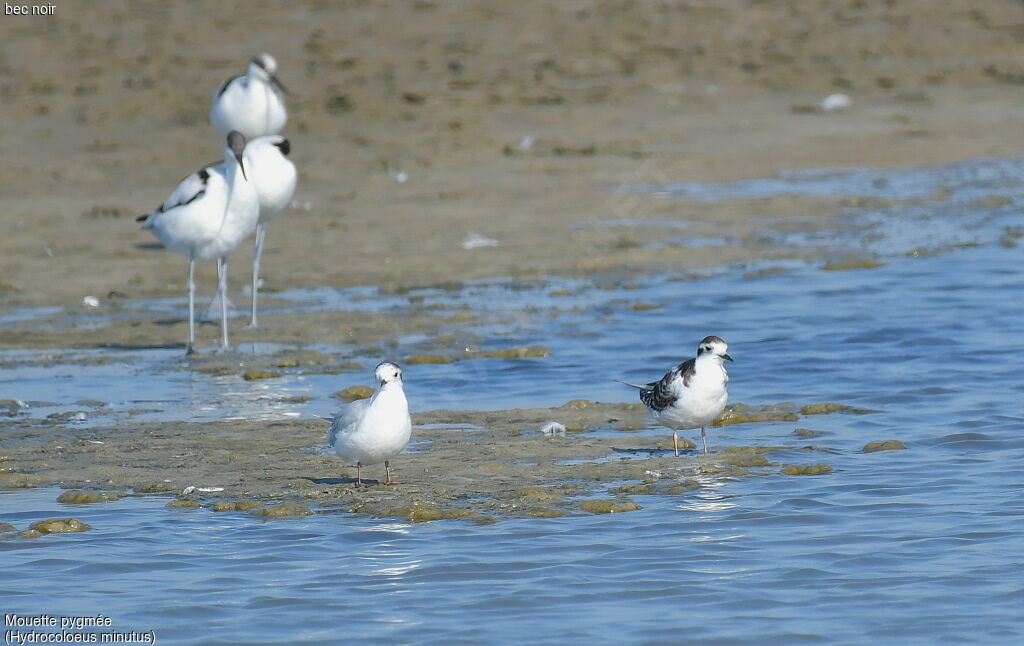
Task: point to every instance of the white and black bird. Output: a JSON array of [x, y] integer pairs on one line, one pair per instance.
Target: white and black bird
[[374, 430], [274, 176], [252, 103], [206, 217], [692, 394]]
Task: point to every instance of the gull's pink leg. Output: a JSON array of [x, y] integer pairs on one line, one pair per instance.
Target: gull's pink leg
[[387, 470]]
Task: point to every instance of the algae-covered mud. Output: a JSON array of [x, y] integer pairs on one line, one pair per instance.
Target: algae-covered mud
[[483, 465]]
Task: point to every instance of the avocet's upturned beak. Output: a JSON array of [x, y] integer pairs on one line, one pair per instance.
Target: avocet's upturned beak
[[727, 357], [279, 85], [236, 144]]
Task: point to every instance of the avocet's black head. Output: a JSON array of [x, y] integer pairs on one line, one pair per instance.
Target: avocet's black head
[[265, 66], [713, 346], [236, 145], [387, 373]]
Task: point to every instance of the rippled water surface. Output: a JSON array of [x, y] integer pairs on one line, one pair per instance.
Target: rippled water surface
[[920, 546]]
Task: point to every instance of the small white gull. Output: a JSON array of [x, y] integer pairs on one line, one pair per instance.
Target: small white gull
[[374, 430]]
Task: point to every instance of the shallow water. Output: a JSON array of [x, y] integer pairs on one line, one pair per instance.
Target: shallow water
[[922, 546]]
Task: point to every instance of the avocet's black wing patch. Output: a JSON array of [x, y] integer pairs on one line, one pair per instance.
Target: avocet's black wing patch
[[224, 86], [187, 191]]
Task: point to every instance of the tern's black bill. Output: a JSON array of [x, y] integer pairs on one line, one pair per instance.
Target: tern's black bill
[[727, 357]]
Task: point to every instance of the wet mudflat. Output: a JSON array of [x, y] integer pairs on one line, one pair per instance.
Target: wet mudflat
[[894, 518]]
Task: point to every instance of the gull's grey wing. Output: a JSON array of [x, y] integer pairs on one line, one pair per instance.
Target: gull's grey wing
[[345, 419]]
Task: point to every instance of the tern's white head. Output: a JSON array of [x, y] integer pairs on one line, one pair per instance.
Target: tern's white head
[[264, 67], [713, 346], [388, 373]]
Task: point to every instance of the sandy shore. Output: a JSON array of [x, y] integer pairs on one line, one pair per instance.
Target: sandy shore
[[106, 108]]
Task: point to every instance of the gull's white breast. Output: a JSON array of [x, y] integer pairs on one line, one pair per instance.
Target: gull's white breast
[[698, 404], [374, 431]]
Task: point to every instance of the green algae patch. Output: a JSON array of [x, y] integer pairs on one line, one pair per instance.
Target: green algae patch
[[421, 513], [638, 489], [155, 487], [807, 469], [825, 408], [352, 393], [284, 510], [608, 506], [677, 488], [744, 414], [727, 470], [255, 373], [888, 445], [806, 432], [30, 533], [856, 263], [537, 495], [820, 449], [543, 512], [428, 359], [629, 426], [235, 505], [7, 527], [523, 352], [82, 497], [337, 369], [576, 404], [184, 504], [685, 444], [643, 307], [742, 457], [59, 526]]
